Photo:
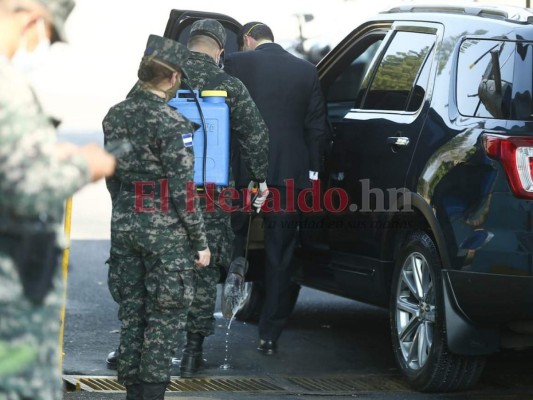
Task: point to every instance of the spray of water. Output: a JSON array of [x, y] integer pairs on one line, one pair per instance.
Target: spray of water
[[239, 297]]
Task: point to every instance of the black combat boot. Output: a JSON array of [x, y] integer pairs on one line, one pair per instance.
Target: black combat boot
[[134, 392], [192, 355], [111, 360], [154, 391]]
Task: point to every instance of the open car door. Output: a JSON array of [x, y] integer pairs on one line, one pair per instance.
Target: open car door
[[179, 24]]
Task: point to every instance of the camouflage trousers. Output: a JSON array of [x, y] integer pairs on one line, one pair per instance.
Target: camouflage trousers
[[220, 239], [29, 339], [153, 279]]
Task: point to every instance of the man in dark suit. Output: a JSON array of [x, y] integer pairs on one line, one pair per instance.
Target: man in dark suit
[[287, 92]]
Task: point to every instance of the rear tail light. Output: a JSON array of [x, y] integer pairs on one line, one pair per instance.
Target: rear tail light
[[516, 156]]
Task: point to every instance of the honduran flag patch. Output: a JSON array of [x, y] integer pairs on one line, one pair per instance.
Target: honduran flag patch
[[187, 139]]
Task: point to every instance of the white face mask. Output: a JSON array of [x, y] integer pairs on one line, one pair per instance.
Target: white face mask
[[27, 61]]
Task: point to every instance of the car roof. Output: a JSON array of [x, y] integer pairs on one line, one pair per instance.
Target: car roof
[[513, 23], [500, 12]]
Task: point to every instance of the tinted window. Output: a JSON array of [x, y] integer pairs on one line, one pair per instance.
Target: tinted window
[[393, 87], [521, 102], [348, 82], [484, 78], [342, 85], [495, 79]]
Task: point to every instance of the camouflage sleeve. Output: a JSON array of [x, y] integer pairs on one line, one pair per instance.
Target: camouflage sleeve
[[110, 134], [33, 180], [178, 165], [249, 128], [31, 173]]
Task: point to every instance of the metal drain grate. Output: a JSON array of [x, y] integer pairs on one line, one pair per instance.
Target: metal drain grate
[[222, 385], [370, 383], [110, 384]]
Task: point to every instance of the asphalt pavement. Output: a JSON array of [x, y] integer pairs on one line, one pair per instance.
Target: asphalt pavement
[[329, 340]]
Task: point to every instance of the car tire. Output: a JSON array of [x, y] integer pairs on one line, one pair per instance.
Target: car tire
[[251, 310], [418, 329]]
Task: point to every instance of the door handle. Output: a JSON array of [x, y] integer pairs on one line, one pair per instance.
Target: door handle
[[398, 141]]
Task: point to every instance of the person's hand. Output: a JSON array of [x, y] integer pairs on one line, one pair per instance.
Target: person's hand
[[204, 258], [101, 163], [64, 150], [313, 175], [261, 196]]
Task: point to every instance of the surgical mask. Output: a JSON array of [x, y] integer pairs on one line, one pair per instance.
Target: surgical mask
[[27, 61]]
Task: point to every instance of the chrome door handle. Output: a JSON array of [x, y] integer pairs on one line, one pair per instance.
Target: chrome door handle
[[398, 141]]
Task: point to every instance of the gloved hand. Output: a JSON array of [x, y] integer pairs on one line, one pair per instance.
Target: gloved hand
[[261, 196], [313, 175]]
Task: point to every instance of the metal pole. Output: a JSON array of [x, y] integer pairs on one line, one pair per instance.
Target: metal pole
[[528, 3]]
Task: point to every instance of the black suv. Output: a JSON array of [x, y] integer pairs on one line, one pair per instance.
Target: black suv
[[431, 113]]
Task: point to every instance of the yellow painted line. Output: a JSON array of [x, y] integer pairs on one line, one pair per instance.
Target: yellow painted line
[[64, 268]]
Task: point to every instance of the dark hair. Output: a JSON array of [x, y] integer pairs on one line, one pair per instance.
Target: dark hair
[[255, 29], [152, 72]]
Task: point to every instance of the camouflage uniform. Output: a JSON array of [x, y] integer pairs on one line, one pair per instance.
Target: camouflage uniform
[[34, 186], [151, 265], [251, 135]]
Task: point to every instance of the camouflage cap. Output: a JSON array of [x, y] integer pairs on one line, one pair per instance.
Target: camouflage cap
[[210, 27], [59, 11], [167, 50]]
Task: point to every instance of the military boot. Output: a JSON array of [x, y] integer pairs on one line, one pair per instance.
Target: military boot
[[192, 355], [134, 392], [112, 360], [154, 391]]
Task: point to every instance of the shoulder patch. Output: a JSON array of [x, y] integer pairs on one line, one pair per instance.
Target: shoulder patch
[[187, 139]]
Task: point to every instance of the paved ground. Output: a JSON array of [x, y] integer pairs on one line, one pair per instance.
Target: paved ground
[[330, 341], [328, 338]]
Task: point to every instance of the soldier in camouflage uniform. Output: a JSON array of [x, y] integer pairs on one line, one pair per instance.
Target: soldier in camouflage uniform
[[250, 136], [36, 177], [154, 236]]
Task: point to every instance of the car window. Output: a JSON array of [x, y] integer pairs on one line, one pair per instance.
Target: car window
[[521, 101], [485, 70], [348, 82], [495, 79], [347, 76], [400, 81]]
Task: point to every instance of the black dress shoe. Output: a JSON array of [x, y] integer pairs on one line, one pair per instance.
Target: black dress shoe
[[111, 360], [267, 347]]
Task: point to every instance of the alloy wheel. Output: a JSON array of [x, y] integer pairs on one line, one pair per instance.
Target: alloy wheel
[[415, 310]]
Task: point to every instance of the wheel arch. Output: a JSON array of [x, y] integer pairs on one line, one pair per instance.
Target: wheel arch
[[463, 336]]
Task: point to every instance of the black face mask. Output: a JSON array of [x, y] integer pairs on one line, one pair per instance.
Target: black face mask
[[221, 60], [171, 93]]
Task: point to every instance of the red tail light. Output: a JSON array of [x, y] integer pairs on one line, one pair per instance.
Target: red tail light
[[516, 156]]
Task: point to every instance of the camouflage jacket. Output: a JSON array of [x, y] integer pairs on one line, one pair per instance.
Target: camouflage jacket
[[249, 132], [34, 183], [161, 155]]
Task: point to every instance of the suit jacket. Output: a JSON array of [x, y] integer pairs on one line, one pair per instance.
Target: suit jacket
[[287, 92]]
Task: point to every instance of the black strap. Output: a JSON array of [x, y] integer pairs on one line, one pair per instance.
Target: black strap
[[248, 235], [216, 80]]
